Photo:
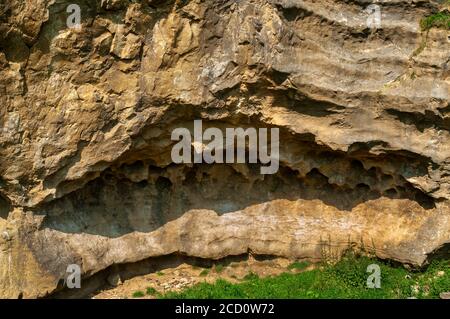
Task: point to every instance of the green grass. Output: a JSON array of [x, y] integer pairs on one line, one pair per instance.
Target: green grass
[[151, 291], [438, 20], [138, 294], [251, 276], [160, 273], [346, 279]]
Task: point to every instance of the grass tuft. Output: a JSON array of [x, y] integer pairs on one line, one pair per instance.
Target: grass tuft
[[219, 268], [204, 273], [138, 294], [251, 276], [437, 20], [151, 291]]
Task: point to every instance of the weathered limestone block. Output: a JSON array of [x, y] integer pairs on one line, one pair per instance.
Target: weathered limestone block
[[86, 174]]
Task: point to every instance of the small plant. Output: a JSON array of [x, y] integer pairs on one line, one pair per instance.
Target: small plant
[[151, 291], [219, 268], [351, 270], [138, 294], [204, 273], [160, 273], [298, 265], [251, 276], [438, 20]]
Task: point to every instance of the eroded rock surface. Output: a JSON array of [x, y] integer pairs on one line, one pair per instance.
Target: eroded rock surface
[[86, 175]]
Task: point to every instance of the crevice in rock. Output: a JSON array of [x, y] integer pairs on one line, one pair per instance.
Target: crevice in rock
[[422, 121], [5, 206], [292, 14], [139, 196], [440, 253]]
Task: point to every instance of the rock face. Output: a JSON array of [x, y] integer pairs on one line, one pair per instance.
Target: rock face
[[86, 175]]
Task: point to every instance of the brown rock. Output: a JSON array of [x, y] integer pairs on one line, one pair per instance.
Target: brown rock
[[125, 46], [445, 295], [86, 175]]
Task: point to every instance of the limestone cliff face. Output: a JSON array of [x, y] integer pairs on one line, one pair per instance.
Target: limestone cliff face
[[86, 116]]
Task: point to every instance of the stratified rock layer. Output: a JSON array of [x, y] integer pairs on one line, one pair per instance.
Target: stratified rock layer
[[86, 175]]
